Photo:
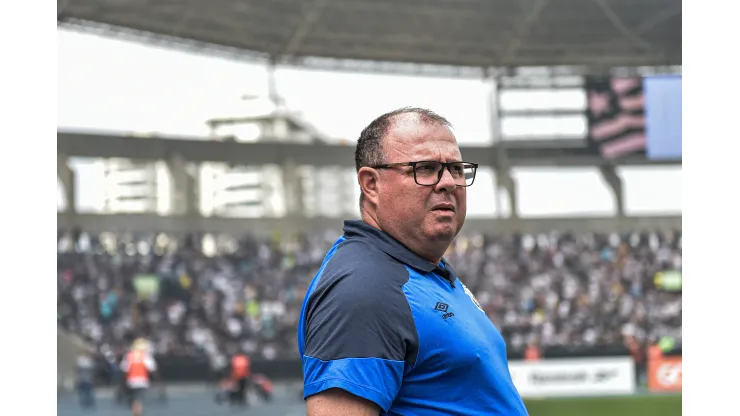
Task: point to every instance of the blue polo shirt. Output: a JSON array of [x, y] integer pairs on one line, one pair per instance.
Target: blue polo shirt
[[386, 325]]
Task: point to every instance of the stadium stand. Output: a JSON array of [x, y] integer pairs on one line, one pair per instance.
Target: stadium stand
[[556, 290]]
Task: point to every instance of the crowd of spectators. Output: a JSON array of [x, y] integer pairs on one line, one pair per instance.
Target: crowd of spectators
[[216, 295]]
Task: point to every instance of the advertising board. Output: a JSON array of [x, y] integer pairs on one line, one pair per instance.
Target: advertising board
[[665, 374], [574, 377]]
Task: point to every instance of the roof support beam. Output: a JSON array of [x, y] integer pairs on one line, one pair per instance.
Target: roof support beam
[[310, 17], [524, 28]]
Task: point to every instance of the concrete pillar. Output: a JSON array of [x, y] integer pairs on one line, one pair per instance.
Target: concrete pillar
[[292, 189], [503, 179], [612, 178], [67, 176], [183, 187]]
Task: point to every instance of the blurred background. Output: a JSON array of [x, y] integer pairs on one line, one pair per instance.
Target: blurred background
[[205, 165]]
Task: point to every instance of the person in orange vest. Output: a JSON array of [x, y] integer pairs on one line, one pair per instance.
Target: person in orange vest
[[241, 373], [532, 353], [138, 367]]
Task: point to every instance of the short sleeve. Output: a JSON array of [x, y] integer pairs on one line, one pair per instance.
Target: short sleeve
[[359, 332]]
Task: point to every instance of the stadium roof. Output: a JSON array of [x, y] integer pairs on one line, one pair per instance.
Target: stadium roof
[[468, 33]]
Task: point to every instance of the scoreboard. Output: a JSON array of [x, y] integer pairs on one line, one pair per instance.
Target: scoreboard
[[634, 115]]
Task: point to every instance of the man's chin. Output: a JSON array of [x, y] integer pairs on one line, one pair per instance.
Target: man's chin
[[442, 232]]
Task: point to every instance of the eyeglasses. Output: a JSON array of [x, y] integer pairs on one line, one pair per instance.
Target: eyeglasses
[[429, 172]]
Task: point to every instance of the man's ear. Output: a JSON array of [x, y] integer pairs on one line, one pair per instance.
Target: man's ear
[[368, 180]]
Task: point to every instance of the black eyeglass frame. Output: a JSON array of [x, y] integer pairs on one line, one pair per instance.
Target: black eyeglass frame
[[445, 166]]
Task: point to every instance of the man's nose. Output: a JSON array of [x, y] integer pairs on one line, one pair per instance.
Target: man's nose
[[446, 182]]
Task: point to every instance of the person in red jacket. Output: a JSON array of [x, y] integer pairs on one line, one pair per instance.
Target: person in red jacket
[[138, 366], [241, 373]]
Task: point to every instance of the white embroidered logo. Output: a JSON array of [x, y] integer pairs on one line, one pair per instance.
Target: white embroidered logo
[[472, 297]]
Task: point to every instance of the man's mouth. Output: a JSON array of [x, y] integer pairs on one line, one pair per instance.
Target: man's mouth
[[444, 207]]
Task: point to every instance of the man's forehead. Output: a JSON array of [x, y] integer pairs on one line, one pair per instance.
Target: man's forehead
[[409, 131], [421, 148], [409, 124]]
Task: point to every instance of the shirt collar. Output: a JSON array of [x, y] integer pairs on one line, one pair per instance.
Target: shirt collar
[[394, 248]]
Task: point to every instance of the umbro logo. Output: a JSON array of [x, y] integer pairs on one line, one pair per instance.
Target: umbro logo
[[443, 307]]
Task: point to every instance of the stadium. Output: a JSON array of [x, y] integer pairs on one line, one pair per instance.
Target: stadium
[[203, 242]]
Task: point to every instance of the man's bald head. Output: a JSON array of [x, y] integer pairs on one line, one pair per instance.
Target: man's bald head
[[369, 150]]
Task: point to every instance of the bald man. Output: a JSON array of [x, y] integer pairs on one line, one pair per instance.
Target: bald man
[[386, 326]]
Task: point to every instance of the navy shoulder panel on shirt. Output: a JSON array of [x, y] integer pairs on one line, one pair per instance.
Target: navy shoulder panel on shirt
[[358, 308]]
